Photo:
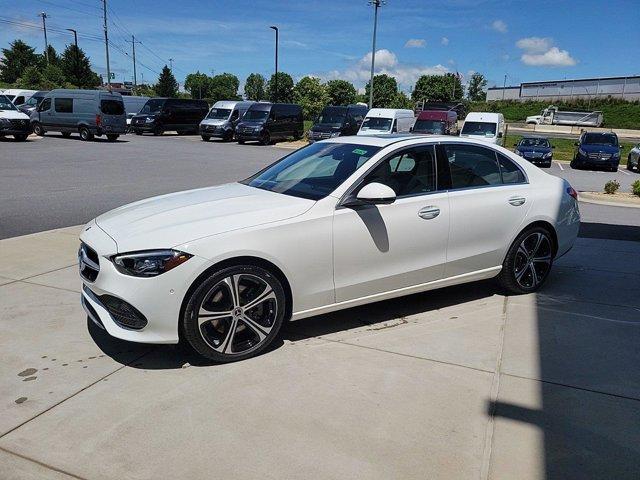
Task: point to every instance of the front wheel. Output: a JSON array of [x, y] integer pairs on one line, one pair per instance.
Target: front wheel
[[528, 261], [85, 134], [265, 139], [138, 132], [38, 130], [205, 138], [235, 313], [112, 137]]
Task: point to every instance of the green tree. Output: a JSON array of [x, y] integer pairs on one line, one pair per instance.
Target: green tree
[[254, 87], [285, 88], [224, 87], [385, 90], [438, 88], [341, 92], [167, 85], [77, 69], [197, 84], [475, 89], [401, 100], [54, 58], [311, 95], [31, 79], [16, 59], [145, 90], [53, 77]]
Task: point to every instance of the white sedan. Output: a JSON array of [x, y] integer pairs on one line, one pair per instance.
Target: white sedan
[[338, 223]]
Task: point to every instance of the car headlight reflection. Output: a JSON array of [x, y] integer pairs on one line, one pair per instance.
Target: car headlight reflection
[[519, 153], [149, 263], [547, 155]]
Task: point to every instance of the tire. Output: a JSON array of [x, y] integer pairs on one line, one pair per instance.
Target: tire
[[158, 131], [85, 134], [37, 129], [138, 132], [574, 164], [228, 136], [265, 139], [210, 336], [21, 137], [629, 165], [614, 168], [525, 254], [66, 134], [297, 136], [205, 138], [182, 132], [240, 142], [112, 137]]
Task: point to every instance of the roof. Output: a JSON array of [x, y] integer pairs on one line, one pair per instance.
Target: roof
[[385, 140], [533, 135], [379, 112]]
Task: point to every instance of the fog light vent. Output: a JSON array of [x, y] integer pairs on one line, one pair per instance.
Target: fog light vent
[[124, 314]]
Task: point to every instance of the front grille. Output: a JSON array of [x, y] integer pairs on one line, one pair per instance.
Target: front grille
[[88, 262], [17, 123], [599, 156], [122, 313], [246, 130], [320, 135]]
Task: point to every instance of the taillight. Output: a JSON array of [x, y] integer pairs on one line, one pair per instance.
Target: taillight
[[98, 120], [571, 191]]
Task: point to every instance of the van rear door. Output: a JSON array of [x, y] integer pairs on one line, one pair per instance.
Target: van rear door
[[113, 116]]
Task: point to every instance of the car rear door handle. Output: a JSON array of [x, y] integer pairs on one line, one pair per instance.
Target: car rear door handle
[[517, 201], [427, 213]]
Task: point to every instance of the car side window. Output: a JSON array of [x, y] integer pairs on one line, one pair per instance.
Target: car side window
[[45, 105], [234, 116], [63, 105], [472, 166], [408, 172], [511, 173]]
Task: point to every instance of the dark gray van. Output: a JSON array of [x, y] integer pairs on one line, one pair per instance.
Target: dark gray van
[[337, 121], [267, 122], [87, 112], [170, 114]]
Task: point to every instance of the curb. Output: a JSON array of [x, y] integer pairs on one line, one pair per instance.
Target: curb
[[583, 199]]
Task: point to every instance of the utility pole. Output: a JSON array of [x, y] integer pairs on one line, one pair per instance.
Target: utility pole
[[44, 27], [77, 53], [135, 76], [504, 85], [275, 98], [106, 42], [376, 4], [171, 64]]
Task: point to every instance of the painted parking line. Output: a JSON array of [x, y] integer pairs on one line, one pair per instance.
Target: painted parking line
[[622, 171], [560, 165]]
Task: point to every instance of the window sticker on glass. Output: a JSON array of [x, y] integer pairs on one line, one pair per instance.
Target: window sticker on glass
[[359, 151]]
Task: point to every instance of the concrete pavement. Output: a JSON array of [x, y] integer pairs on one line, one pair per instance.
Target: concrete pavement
[[456, 383]]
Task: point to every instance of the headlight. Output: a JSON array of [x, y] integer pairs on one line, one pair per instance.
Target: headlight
[[616, 155], [547, 155], [582, 152], [149, 120], [335, 134], [150, 263], [257, 129], [519, 153]]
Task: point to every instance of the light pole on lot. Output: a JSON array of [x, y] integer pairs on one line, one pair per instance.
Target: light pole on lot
[[376, 4], [275, 78], [46, 43], [504, 85], [76, 59]]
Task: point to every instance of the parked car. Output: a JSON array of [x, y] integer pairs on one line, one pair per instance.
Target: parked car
[[12, 121], [536, 149], [633, 159], [32, 103], [437, 122], [337, 121], [169, 114], [222, 119], [268, 122], [387, 120], [17, 95], [223, 267], [485, 126], [87, 112], [598, 150], [132, 105]]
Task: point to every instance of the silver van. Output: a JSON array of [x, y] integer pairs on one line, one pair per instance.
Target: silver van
[[222, 119], [87, 112], [132, 105]]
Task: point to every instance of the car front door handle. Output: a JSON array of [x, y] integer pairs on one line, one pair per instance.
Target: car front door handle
[[517, 201], [427, 213]]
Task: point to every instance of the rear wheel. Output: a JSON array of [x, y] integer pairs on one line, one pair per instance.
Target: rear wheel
[[21, 137], [629, 164], [240, 142], [112, 137], [85, 134], [206, 138], [265, 139], [138, 132], [528, 261], [235, 313], [37, 129]]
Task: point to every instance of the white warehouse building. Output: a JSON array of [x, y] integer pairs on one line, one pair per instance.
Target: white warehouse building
[[627, 88]]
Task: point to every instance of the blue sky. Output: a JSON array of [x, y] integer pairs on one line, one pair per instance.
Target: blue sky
[[543, 40]]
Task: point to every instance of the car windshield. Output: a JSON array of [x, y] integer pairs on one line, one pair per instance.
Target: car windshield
[[332, 116], [534, 142], [314, 171], [152, 106], [479, 128], [600, 139], [34, 101], [219, 113], [112, 107], [377, 123], [255, 115], [5, 103], [429, 126]]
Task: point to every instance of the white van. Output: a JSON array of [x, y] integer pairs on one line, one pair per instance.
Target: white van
[[486, 126], [17, 95], [387, 120]]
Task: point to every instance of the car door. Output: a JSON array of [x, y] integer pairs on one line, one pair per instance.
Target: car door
[[45, 112], [379, 248], [489, 198]]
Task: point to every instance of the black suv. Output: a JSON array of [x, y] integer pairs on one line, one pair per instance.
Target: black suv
[[267, 122], [176, 114], [337, 122], [598, 150]]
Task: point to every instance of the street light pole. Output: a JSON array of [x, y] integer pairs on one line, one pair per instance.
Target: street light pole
[[106, 42], [135, 76], [376, 4], [77, 56], [504, 85], [46, 43], [275, 78]]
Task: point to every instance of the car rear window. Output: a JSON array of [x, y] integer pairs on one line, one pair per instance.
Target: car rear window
[[112, 107]]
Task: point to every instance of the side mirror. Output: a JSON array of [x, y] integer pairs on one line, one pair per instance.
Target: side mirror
[[515, 144], [411, 129], [577, 144], [553, 146], [372, 194], [499, 134]]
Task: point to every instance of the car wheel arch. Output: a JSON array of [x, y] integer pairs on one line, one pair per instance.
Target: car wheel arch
[[539, 223]]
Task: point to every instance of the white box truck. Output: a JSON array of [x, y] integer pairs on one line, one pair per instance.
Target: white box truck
[[552, 116]]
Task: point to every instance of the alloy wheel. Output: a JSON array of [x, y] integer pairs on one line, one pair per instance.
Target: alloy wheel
[[237, 314], [533, 260]]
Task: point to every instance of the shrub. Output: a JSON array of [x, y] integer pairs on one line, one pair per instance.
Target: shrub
[[635, 187], [611, 187]]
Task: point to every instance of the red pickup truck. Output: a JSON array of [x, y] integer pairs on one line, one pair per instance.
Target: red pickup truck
[[437, 122]]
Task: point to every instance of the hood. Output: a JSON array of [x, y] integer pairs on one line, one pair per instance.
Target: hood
[[251, 123], [177, 218], [325, 128], [13, 115], [594, 148], [145, 115], [214, 121], [533, 149], [373, 132]]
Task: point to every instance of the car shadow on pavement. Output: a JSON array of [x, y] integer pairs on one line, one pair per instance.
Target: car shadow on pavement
[[77, 138], [160, 357], [605, 231]]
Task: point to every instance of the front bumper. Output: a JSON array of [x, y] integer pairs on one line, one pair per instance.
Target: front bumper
[[598, 162], [158, 299], [17, 128], [215, 131]]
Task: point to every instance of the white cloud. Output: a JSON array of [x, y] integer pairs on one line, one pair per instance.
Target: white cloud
[[444, 41], [540, 52], [499, 26], [415, 43]]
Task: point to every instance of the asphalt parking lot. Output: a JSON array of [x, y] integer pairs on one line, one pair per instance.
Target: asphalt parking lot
[[462, 382]]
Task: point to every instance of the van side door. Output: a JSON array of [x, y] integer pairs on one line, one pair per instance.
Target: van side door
[[63, 118], [45, 112]]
